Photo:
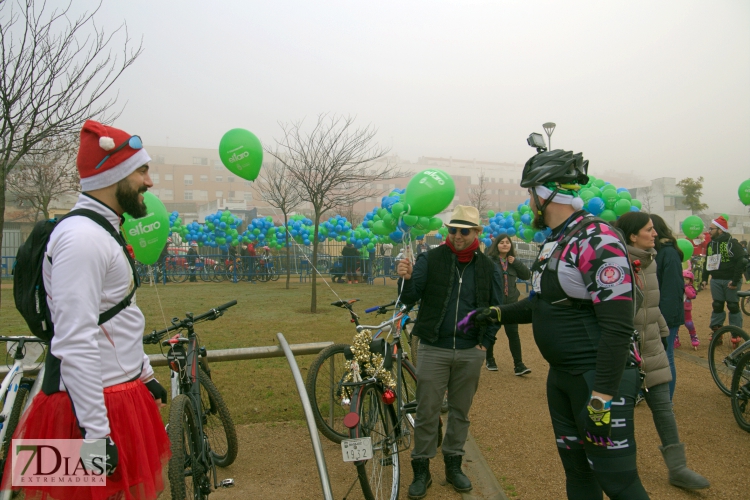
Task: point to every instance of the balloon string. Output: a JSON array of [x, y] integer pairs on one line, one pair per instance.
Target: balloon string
[[156, 288]]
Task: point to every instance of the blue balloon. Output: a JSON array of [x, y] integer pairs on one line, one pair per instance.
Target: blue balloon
[[539, 237], [511, 231], [526, 219], [596, 206], [633, 208]]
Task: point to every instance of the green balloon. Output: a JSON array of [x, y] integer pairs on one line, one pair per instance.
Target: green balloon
[[744, 192], [608, 215], [149, 234], [692, 226], [423, 223], [242, 153], [528, 234], [636, 203], [610, 198], [686, 247], [599, 183], [380, 228], [622, 207], [397, 208], [410, 220], [595, 191], [586, 194], [430, 192], [490, 213], [435, 223], [625, 195]]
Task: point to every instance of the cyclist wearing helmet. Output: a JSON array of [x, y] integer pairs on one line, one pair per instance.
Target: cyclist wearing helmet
[[581, 308]]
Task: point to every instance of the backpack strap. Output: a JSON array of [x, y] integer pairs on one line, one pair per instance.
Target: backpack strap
[[107, 226]]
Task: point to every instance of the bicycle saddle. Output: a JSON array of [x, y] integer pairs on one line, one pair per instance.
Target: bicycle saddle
[[746, 293], [344, 303]]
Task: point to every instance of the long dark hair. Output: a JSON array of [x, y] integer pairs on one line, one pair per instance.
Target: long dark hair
[[493, 253], [664, 233], [631, 223]]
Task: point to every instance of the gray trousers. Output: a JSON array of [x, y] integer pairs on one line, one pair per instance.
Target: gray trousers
[[657, 398], [720, 292], [456, 370]]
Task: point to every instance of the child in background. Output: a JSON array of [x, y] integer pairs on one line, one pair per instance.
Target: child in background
[[690, 294]]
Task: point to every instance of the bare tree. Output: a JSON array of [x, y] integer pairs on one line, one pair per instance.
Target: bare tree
[[280, 190], [39, 179], [333, 165], [56, 71], [648, 200], [479, 196], [351, 215]]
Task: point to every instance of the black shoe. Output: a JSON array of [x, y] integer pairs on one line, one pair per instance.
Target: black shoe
[[454, 475], [491, 365], [520, 369], [422, 478]]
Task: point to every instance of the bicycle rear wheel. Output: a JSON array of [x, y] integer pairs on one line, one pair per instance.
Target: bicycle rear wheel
[[187, 476], [745, 305], [217, 423], [219, 273], [15, 415], [379, 477], [207, 273], [330, 400], [178, 273], [741, 392], [720, 361]]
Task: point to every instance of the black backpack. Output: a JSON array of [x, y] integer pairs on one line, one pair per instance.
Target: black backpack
[[28, 284]]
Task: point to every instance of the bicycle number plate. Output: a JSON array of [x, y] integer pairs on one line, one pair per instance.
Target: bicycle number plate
[[355, 450]]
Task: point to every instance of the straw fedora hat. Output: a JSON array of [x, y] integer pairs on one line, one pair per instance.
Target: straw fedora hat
[[464, 216]]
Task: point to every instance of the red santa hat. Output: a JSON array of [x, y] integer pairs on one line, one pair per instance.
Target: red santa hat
[[107, 155], [721, 223]]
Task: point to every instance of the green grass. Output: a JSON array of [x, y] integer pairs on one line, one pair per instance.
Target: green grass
[[255, 390]]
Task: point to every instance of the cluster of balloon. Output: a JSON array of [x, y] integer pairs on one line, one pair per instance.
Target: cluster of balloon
[[149, 234], [242, 153], [412, 210], [692, 227], [607, 201], [516, 223], [744, 192]]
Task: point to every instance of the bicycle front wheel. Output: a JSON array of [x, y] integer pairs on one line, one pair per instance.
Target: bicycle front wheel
[[15, 415], [217, 423], [741, 392], [329, 399], [188, 479], [379, 477], [745, 305], [720, 360]]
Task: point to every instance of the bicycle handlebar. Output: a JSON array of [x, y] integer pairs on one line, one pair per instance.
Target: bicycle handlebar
[[382, 309], [154, 337]]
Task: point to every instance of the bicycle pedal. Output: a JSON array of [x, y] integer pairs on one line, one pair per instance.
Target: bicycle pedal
[[410, 407], [226, 483]]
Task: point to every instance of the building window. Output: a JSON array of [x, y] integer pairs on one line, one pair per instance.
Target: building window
[[167, 194], [231, 194], [188, 180], [219, 178], [188, 195], [204, 178], [155, 192], [219, 194], [155, 178], [202, 195], [197, 160], [248, 196], [230, 178], [167, 177], [248, 183], [159, 159], [217, 165]]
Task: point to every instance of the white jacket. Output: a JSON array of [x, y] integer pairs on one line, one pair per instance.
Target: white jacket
[[88, 275]]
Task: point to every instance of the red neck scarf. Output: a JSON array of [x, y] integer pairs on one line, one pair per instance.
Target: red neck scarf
[[466, 254]]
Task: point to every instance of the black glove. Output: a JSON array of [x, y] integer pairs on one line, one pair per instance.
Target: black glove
[[93, 460], [598, 424], [664, 343], [156, 389], [487, 316]]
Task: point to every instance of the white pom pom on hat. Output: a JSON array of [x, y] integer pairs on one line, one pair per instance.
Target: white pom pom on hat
[[577, 203], [106, 143]]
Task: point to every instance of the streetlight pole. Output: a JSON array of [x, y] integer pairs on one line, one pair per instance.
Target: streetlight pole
[[549, 127]]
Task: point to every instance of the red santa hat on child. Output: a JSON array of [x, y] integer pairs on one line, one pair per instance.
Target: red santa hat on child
[[721, 223], [107, 155]]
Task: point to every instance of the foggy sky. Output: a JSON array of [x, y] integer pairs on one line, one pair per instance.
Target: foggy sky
[[659, 89]]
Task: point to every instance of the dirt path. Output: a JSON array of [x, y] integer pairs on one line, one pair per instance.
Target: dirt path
[[510, 423]]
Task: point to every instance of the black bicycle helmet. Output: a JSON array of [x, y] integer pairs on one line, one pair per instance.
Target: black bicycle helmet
[[562, 167]]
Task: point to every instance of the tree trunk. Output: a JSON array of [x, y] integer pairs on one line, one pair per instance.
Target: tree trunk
[[288, 256], [314, 300], [2, 213]]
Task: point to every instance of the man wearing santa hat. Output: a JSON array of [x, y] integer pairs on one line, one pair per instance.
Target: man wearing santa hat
[[98, 382], [724, 264]]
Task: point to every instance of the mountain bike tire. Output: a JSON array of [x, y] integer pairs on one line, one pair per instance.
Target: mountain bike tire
[[217, 423], [187, 476], [741, 392], [219, 273], [329, 400], [720, 363], [745, 305], [207, 273], [178, 273], [380, 476]]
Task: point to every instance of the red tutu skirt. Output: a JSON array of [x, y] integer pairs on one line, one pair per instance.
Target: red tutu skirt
[[136, 428]]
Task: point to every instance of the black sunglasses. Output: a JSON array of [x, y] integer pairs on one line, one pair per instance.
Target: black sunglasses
[[465, 231]]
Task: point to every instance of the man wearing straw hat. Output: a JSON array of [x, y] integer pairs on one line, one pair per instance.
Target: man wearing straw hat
[[450, 281]]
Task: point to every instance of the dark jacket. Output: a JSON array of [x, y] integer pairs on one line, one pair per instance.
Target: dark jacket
[[450, 290], [671, 284], [732, 259], [515, 271]]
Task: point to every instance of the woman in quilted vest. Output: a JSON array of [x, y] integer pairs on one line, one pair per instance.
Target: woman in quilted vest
[[638, 230]]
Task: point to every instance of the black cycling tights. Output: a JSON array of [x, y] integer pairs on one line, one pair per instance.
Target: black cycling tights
[[591, 470]]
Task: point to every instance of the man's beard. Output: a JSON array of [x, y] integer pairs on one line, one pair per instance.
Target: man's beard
[[129, 201]]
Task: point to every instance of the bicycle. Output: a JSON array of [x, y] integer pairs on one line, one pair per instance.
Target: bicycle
[[744, 302], [329, 398], [723, 355], [18, 392], [198, 444], [741, 387], [380, 421]]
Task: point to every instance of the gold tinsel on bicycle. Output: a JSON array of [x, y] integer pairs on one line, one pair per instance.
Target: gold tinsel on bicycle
[[371, 364]]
